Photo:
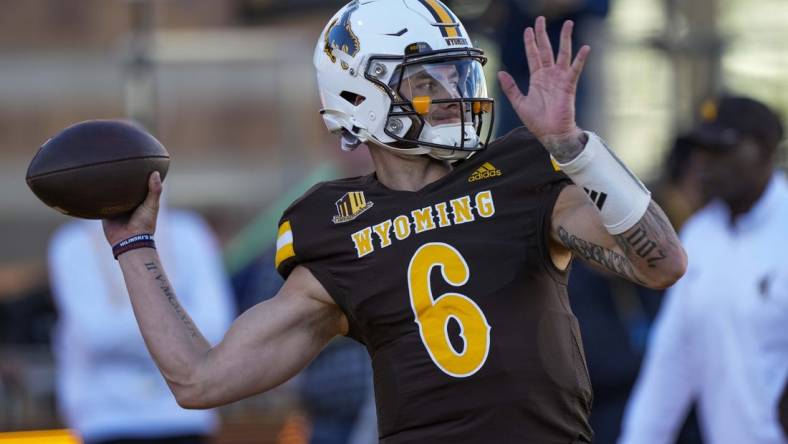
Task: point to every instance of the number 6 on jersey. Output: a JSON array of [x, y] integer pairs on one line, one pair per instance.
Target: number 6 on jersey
[[433, 314]]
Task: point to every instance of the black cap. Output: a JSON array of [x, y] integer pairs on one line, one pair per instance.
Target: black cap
[[726, 121]]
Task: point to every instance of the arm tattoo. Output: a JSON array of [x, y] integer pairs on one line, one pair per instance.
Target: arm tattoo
[[170, 295], [598, 254], [641, 240]]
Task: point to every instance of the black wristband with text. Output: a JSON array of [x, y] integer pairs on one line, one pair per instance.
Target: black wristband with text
[[132, 243]]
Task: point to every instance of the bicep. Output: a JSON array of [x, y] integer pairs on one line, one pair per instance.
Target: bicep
[[577, 227], [271, 342]]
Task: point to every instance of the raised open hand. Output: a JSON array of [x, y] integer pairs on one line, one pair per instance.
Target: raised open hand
[[549, 108]]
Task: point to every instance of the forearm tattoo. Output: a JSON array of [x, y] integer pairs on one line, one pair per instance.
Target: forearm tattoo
[[598, 254], [644, 247], [644, 240], [171, 299]]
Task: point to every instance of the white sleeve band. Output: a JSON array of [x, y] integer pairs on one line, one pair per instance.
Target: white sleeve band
[[621, 198]]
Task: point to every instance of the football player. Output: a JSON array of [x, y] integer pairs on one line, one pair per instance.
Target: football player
[[449, 262]]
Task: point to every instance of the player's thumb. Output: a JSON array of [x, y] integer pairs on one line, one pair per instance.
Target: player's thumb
[[155, 188]]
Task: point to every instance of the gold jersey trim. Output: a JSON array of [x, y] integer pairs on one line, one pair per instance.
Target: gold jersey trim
[[284, 244]]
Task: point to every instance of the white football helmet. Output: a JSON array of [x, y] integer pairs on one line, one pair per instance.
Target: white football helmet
[[402, 74]]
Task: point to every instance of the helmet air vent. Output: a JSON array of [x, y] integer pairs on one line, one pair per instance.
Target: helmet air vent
[[353, 98]]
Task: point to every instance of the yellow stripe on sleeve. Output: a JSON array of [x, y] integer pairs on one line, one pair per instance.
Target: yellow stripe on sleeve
[[284, 244]]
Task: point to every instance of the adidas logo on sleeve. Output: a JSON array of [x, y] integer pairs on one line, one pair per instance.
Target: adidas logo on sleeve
[[597, 197], [486, 171]]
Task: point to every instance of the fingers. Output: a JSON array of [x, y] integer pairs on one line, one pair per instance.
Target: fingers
[[579, 62], [531, 51], [543, 43], [539, 51], [565, 46], [509, 87]]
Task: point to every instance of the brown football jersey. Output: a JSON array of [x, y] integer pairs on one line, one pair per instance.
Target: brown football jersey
[[452, 290]]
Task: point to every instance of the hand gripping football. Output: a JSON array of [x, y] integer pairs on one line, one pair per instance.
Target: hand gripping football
[[96, 169]]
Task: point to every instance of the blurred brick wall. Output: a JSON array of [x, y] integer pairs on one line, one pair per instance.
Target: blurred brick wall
[[239, 132], [39, 24]]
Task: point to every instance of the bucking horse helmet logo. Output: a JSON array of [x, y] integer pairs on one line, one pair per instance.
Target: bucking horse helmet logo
[[340, 36]]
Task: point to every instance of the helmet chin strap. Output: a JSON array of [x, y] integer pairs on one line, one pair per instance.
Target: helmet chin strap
[[365, 137]]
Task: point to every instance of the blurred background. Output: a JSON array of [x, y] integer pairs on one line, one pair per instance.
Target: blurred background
[[228, 87]]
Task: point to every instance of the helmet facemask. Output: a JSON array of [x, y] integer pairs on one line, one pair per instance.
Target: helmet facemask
[[438, 102]]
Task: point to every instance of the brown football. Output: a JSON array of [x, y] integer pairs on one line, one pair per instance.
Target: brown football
[[96, 169]]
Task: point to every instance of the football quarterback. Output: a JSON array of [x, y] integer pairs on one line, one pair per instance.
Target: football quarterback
[[449, 262]]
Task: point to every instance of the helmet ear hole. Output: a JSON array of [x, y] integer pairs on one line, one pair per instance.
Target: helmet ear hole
[[353, 98]]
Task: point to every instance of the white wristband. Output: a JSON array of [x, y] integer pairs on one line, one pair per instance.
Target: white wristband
[[621, 198]]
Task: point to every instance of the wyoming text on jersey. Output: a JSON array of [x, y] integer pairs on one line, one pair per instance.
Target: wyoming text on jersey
[[456, 211]]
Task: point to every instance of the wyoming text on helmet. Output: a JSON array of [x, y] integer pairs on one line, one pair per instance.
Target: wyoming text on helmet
[[402, 74]]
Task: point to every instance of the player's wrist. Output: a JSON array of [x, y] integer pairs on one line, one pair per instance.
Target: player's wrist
[[134, 242], [566, 147], [620, 196]]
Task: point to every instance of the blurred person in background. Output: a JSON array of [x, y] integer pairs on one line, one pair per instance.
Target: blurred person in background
[[720, 339], [108, 389], [784, 408], [679, 191], [334, 389], [402, 79]]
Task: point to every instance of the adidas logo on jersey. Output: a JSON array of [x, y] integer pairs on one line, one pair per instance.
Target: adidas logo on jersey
[[485, 171], [350, 206]]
